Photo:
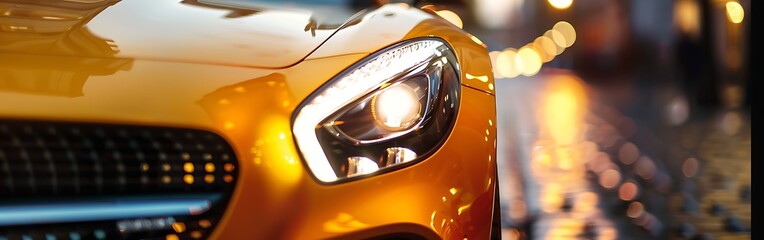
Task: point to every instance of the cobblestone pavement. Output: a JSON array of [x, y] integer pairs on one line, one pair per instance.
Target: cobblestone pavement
[[572, 166]]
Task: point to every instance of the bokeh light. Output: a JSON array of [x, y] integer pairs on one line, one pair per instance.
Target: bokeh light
[[505, 62], [628, 153], [607, 233], [610, 178], [495, 14], [735, 12], [635, 210], [600, 162], [494, 56], [586, 201], [690, 167], [518, 209], [557, 38], [567, 32], [563, 108], [687, 17], [545, 47], [552, 198], [628, 191], [510, 234], [678, 110], [561, 4], [645, 168], [733, 96], [528, 61]]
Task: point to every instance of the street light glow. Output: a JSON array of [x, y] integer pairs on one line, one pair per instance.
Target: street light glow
[[735, 12], [561, 4]]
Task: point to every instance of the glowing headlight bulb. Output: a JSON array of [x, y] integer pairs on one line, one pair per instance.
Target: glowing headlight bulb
[[397, 107], [361, 165]]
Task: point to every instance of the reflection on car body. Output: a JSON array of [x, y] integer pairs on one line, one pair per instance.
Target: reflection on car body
[[221, 119]]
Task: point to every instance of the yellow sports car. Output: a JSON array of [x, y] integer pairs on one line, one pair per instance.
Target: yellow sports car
[[235, 119]]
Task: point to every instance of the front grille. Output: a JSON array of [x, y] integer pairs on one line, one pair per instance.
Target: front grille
[[44, 163]]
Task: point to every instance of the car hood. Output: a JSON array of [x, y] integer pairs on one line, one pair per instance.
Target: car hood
[[219, 32], [68, 72]]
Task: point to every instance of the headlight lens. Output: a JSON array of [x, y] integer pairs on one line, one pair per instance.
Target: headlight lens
[[393, 108]]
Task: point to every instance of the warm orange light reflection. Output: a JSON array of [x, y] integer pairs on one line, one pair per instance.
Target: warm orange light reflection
[[610, 178], [687, 17], [560, 4], [510, 234], [587, 151], [451, 17], [343, 222], [568, 33], [209, 178], [635, 210], [600, 162], [477, 40], [179, 227], [494, 56], [607, 233], [166, 179], [518, 209], [628, 191], [188, 167], [562, 228], [528, 61], [552, 198], [229, 125], [557, 38], [539, 49], [586, 201], [543, 158], [547, 47], [196, 235], [481, 78], [564, 160], [732, 96], [228, 167], [505, 62], [204, 223], [188, 179], [563, 109], [731, 123], [735, 12]]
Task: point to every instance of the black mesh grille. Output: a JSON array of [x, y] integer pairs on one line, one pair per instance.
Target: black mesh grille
[[54, 162]]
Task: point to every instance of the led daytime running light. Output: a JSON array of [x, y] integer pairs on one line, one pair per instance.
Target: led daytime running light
[[350, 87]]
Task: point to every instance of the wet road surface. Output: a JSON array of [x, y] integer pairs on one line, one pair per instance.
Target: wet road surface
[[576, 165]]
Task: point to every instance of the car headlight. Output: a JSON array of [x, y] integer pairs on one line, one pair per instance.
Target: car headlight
[[389, 110]]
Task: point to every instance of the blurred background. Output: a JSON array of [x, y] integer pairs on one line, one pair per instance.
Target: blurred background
[[619, 119]]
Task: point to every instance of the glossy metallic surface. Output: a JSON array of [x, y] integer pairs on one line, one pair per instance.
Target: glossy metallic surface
[[169, 74], [188, 31]]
